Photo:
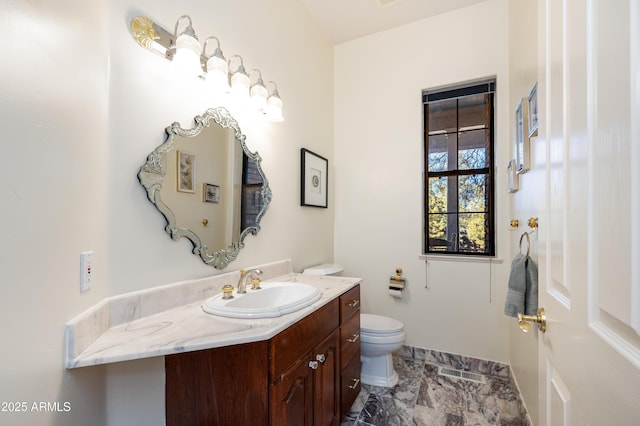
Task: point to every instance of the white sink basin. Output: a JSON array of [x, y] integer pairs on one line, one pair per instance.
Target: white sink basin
[[273, 300]]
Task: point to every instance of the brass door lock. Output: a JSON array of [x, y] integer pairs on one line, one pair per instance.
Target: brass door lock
[[540, 319]]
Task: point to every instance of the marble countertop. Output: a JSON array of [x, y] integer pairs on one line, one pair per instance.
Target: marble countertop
[[105, 335]]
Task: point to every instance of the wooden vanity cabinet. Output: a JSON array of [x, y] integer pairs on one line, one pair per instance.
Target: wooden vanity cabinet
[[307, 394], [292, 396], [304, 368], [220, 386], [350, 363], [302, 376]]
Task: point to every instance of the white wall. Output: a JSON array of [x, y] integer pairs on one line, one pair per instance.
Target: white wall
[[82, 105], [379, 161], [53, 186]]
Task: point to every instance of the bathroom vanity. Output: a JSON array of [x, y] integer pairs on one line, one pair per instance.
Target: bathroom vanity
[[302, 368], [308, 374]]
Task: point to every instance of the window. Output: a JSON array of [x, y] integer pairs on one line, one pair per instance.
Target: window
[[459, 199], [252, 183]]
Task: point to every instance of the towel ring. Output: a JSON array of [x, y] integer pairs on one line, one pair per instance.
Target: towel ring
[[525, 234]]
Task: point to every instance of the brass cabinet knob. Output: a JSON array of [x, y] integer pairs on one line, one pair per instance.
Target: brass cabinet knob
[[540, 319]]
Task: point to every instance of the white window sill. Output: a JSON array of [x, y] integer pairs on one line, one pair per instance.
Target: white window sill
[[454, 258]]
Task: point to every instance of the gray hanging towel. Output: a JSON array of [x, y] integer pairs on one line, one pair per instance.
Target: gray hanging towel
[[517, 286], [531, 295], [522, 295]]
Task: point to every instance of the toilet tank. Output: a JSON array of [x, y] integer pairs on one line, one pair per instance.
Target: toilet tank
[[324, 269]]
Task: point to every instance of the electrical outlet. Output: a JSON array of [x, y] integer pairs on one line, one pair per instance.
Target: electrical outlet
[[86, 270]]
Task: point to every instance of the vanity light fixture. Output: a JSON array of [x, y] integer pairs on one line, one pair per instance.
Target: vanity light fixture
[[187, 56], [152, 37], [184, 49], [274, 105], [240, 81], [258, 92], [217, 68]]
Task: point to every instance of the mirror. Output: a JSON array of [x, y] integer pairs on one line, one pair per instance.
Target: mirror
[[210, 188]]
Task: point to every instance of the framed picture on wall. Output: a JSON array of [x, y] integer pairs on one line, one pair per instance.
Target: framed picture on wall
[[186, 172], [210, 193], [532, 103], [313, 179], [522, 138]]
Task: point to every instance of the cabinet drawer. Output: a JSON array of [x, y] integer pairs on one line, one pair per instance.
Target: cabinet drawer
[[349, 339], [349, 384], [295, 341], [349, 303]]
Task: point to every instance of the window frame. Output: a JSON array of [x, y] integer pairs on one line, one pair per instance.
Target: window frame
[[486, 86]]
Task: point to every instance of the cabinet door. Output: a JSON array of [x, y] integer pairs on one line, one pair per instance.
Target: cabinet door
[[292, 396], [349, 339], [326, 409], [350, 384]]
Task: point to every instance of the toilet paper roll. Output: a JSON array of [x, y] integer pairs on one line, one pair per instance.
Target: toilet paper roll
[[395, 293]]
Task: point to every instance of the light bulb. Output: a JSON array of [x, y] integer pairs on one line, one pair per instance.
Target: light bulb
[[218, 74], [258, 93], [217, 68], [240, 82], [187, 56], [274, 109]]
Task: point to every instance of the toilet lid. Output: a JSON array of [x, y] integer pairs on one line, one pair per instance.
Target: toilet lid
[[378, 324]]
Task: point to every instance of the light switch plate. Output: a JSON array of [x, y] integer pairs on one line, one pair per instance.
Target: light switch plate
[[86, 270]]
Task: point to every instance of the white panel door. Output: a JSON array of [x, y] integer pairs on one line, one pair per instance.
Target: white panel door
[[589, 234]]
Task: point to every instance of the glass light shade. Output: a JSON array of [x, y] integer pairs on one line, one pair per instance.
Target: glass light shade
[[259, 96], [218, 74], [240, 85], [274, 109], [187, 56]]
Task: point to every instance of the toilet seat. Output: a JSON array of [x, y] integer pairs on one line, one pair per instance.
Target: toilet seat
[[378, 325]]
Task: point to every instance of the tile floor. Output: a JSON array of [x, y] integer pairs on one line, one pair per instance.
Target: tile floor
[[423, 397]]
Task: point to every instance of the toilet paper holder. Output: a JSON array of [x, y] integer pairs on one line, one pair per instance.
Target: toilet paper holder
[[397, 282]]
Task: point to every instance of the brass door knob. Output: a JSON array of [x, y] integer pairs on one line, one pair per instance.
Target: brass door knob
[[540, 319]]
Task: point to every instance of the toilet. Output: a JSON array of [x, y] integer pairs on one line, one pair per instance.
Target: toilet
[[380, 336], [324, 269]]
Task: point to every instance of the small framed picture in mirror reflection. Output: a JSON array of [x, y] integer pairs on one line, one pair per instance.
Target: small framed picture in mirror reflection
[[186, 172], [210, 193]]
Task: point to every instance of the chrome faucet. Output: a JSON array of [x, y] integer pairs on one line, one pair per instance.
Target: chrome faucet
[[244, 276]]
